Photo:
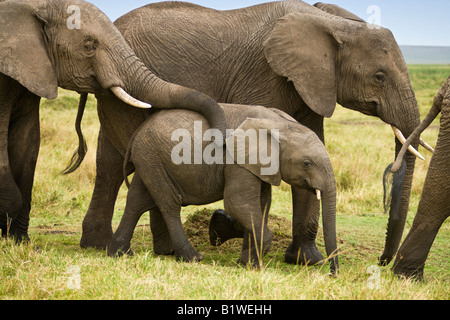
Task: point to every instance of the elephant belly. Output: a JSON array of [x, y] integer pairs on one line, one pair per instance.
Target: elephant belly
[[199, 184]]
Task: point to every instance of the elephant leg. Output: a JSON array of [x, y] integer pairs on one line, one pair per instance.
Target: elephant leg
[[97, 230], [138, 202], [162, 244], [305, 208], [257, 243], [24, 142], [396, 226], [10, 195], [168, 200], [243, 199], [223, 227], [305, 223], [434, 208]]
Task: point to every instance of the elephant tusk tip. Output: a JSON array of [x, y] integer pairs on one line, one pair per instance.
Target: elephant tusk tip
[[426, 146], [125, 97], [416, 153], [318, 194], [402, 140]]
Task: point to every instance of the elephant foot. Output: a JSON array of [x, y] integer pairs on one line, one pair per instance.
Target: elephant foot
[[16, 229], [162, 245], [116, 249], [403, 269], [303, 254], [223, 227], [96, 234], [18, 236], [384, 260], [245, 263], [188, 254]]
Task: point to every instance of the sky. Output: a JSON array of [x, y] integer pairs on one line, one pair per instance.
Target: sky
[[413, 22]]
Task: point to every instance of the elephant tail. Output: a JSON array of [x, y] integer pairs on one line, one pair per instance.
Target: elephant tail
[[81, 151], [394, 182]]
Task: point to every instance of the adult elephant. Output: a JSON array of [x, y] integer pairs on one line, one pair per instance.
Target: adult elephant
[[48, 43], [286, 55], [434, 206]]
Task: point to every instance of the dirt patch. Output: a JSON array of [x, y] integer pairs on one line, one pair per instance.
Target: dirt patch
[[197, 229]]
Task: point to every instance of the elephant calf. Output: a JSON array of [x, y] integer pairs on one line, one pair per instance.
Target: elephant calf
[[178, 163]]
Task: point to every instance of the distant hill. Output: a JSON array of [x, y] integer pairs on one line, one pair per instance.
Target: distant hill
[[426, 55]]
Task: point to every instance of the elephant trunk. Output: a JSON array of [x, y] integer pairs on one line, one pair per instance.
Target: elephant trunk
[[328, 197], [144, 85], [400, 201], [431, 116], [329, 226]]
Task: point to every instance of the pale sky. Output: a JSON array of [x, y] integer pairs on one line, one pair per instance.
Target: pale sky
[[413, 22]]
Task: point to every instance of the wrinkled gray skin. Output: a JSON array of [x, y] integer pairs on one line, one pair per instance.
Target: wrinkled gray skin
[[162, 185], [38, 53], [286, 55], [434, 206]]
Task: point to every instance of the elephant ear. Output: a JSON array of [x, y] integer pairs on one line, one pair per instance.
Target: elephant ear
[[23, 53], [337, 11], [255, 146], [303, 48]]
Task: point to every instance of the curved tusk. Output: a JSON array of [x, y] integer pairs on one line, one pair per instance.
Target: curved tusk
[[402, 140], [125, 97], [318, 194], [426, 146]]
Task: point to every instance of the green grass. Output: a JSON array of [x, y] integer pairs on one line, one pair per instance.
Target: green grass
[[43, 269]]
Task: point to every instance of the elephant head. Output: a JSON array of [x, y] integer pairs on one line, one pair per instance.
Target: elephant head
[[341, 59], [302, 161], [72, 44]]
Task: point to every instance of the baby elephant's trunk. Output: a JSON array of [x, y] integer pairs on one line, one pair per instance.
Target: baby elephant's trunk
[[329, 224]]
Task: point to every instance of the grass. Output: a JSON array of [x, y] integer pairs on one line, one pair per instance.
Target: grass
[[53, 266]]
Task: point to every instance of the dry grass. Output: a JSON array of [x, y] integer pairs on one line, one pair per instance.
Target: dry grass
[[360, 149]]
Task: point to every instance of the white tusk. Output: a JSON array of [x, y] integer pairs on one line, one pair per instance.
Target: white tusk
[[402, 140], [426, 146], [125, 97], [319, 194]]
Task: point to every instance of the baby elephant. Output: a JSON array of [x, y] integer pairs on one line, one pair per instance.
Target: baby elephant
[[178, 162]]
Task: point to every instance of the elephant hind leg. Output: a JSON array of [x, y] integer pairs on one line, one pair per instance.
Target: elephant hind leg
[[138, 202], [168, 201], [97, 229], [162, 243]]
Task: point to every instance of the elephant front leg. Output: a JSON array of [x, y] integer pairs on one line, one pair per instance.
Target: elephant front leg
[[243, 195], [10, 195], [24, 142], [305, 222], [97, 229]]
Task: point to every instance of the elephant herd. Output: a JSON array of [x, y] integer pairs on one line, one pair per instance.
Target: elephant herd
[[206, 73]]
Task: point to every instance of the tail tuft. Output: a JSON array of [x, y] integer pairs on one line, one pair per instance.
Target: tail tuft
[[392, 185]]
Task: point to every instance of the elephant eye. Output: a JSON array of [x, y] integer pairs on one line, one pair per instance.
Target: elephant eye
[[380, 76], [307, 164], [89, 46]]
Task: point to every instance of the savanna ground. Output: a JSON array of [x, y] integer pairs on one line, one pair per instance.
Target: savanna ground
[[53, 266]]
